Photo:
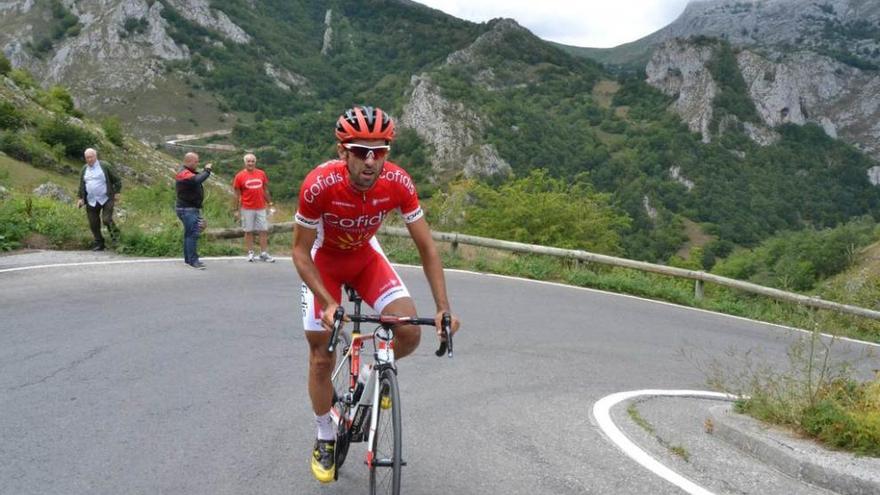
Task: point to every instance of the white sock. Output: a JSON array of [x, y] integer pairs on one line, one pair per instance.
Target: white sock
[[326, 430]]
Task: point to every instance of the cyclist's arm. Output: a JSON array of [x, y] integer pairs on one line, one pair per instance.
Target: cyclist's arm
[[303, 239], [431, 264]]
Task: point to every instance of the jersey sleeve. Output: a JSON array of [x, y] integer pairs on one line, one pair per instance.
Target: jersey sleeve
[[308, 213], [236, 181], [410, 208]]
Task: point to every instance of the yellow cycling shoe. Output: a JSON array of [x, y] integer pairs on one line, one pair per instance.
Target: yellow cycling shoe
[[323, 461], [385, 402]]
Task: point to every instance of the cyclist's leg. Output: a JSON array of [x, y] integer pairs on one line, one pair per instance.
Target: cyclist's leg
[[382, 288], [320, 361], [406, 337]]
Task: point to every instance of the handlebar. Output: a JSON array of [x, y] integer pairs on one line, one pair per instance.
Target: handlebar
[[388, 321]]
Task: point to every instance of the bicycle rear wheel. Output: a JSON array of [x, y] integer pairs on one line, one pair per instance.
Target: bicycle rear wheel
[[342, 372], [387, 463]]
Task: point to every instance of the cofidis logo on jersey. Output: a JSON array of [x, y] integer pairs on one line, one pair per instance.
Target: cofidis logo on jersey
[[400, 178], [321, 183], [357, 223]]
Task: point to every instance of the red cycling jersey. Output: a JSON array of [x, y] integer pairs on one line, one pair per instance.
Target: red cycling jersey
[[347, 218], [345, 249]]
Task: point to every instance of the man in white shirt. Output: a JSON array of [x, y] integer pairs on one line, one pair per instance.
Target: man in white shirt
[[98, 189]]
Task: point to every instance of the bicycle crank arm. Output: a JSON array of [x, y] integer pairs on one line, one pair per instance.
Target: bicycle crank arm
[[386, 463]]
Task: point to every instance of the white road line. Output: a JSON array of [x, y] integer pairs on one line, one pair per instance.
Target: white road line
[[602, 413], [115, 262]]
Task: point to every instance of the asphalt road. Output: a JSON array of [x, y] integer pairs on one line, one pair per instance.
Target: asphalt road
[[155, 378]]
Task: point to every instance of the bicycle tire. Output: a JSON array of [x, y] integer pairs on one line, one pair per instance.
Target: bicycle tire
[[340, 389], [385, 471]]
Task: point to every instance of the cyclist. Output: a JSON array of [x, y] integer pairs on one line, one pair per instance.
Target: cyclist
[[342, 203]]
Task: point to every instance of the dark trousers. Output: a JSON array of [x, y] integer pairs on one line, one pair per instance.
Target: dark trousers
[[98, 213]]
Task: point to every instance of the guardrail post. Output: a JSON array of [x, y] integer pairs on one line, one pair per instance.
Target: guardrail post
[[455, 245], [698, 289]]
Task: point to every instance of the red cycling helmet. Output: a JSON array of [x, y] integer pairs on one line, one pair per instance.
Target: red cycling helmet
[[364, 123]]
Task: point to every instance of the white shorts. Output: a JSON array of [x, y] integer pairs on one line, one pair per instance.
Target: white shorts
[[254, 220]]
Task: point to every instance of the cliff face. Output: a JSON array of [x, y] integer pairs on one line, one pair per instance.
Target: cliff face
[[452, 130], [118, 56], [797, 88], [678, 69]]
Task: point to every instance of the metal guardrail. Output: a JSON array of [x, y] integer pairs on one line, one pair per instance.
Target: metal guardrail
[[699, 277]]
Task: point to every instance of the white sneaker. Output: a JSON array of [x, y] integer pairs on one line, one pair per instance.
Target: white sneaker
[[251, 256], [264, 256]]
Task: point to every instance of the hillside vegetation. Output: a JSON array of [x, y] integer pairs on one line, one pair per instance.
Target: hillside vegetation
[[42, 140]]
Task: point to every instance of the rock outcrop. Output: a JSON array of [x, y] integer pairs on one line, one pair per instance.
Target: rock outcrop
[[452, 131], [797, 88], [106, 63], [678, 69]]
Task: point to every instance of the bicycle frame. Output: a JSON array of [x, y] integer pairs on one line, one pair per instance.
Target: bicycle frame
[[349, 408]]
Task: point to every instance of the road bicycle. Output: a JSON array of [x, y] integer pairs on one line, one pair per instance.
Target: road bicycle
[[356, 397]]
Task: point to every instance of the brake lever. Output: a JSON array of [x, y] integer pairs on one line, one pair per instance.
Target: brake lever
[[337, 325], [446, 343]]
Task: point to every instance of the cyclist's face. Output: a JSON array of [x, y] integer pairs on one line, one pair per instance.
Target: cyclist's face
[[363, 171]]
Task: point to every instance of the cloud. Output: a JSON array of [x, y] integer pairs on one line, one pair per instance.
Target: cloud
[[596, 23]]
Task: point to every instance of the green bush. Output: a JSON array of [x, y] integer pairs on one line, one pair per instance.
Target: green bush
[[59, 100], [798, 260], [62, 225], [10, 117], [842, 420], [539, 209], [5, 65], [113, 130], [26, 148], [74, 139], [22, 78]]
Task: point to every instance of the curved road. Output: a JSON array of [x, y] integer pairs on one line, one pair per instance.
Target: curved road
[[155, 378]]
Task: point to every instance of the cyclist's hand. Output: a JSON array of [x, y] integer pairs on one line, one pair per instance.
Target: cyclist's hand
[[438, 321], [327, 317]]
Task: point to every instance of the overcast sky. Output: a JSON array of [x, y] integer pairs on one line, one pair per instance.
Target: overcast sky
[[593, 23]]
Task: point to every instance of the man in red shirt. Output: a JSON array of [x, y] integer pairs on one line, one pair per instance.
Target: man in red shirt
[[251, 187], [342, 203]]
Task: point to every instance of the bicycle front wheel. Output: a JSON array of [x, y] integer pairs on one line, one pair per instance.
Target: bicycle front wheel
[[385, 470]]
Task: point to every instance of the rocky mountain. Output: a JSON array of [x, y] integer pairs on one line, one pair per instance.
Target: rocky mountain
[[801, 62], [117, 56], [845, 29], [797, 87]]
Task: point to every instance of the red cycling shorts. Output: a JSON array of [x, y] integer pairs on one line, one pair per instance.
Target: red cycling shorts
[[367, 270]]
